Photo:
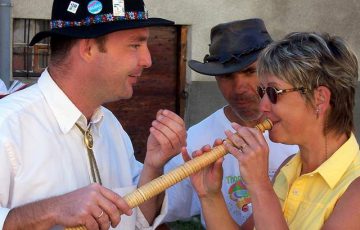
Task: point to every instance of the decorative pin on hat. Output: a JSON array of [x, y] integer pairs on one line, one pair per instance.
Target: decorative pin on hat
[[94, 18]]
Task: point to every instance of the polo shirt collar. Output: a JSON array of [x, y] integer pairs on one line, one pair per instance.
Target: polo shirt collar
[[331, 170], [334, 168]]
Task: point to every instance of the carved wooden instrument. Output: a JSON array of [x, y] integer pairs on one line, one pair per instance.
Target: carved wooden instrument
[[160, 184]]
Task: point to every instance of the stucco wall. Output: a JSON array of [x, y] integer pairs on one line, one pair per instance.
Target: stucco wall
[[37, 9], [357, 113], [280, 16]]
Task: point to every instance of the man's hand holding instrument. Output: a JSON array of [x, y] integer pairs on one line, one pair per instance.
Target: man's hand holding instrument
[[160, 184]]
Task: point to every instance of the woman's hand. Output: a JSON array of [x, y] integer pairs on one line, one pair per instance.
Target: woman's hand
[[252, 152]]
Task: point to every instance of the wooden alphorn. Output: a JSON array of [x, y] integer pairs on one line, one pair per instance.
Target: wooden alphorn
[[160, 184]]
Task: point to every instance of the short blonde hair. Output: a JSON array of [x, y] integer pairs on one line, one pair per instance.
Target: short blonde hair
[[311, 60]]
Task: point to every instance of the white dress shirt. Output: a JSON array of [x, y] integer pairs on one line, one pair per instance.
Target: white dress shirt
[[42, 153], [3, 88]]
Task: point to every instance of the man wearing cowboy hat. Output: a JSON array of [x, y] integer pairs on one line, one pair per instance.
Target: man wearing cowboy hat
[[65, 160], [234, 49]]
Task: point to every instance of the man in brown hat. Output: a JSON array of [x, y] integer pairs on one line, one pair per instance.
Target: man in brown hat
[[64, 159], [234, 49]]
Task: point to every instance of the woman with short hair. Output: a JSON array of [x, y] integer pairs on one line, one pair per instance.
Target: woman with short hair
[[307, 86]]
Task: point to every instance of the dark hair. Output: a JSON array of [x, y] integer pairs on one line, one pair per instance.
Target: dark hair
[[60, 47]]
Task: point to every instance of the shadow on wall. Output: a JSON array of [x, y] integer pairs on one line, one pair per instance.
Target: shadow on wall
[[205, 98]]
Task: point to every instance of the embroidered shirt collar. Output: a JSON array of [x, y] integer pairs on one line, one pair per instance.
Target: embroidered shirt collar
[[65, 112], [331, 170]]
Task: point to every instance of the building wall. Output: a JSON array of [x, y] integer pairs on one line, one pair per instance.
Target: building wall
[[357, 113], [35, 9], [281, 17]]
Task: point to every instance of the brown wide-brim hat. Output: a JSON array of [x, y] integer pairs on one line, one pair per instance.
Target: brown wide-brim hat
[[234, 46], [95, 18]]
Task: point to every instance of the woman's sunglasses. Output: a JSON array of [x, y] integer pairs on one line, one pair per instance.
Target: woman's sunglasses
[[273, 92]]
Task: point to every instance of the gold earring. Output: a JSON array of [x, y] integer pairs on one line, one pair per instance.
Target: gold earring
[[317, 111]]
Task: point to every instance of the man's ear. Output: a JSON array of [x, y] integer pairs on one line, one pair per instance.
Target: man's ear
[[87, 48], [322, 96]]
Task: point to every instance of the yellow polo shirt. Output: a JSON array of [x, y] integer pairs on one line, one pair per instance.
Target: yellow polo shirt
[[308, 200]]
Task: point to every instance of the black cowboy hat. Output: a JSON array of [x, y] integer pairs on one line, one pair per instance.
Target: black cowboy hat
[[234, 46], [94, 18]]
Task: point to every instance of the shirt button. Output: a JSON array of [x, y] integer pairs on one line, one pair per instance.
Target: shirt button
[[295, 192]]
